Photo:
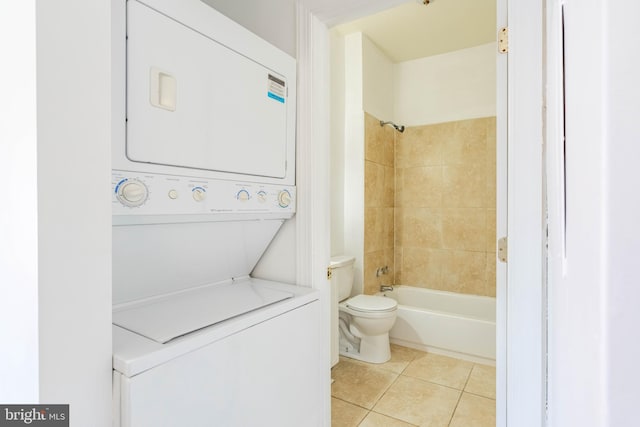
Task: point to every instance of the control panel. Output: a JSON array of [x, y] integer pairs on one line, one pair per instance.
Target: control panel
[[156, 194]]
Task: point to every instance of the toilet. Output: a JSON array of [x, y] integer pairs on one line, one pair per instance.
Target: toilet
[[364, 320]]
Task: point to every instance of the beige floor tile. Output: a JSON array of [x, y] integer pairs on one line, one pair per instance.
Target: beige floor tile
[[418, 402], [474, 411], [482, 381], [400, 358], [360, 384], [344, 414], [441, 370], [379, 420]]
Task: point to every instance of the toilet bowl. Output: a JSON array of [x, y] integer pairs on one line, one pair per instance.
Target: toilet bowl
[[364, 320]]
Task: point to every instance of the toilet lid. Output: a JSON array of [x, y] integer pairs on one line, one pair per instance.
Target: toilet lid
[[371, 303]]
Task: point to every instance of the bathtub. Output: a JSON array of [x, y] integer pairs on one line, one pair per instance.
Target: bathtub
[[457, 325]]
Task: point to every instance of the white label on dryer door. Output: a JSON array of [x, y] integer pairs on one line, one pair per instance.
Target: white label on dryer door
[[277, 89]]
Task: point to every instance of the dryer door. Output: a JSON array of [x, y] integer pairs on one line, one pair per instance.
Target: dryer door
[[192, 102]]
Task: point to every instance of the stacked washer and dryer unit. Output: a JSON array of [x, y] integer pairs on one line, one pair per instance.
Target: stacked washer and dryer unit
[[203, 178]]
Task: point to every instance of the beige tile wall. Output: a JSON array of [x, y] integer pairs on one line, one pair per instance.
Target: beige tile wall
[[445, 206], [379, 196], [436, 229]]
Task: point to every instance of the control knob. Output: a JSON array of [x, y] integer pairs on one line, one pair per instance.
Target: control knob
[[284, 199], [199, 194], [131, 192]]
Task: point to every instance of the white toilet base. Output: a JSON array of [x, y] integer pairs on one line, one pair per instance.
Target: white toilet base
[[373, 349]]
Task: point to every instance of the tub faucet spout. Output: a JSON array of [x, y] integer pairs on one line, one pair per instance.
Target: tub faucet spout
[[385, 288]]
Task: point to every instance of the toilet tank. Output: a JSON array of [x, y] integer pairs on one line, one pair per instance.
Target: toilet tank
[[342, 274]]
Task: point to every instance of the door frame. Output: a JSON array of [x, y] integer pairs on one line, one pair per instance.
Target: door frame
[[521, 320]]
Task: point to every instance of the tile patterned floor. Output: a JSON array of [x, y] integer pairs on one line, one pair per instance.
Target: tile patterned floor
[[413, 389]]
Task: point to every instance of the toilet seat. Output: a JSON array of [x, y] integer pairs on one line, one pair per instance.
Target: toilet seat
[[371, 304]]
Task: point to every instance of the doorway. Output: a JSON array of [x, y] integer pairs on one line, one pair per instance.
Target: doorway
[[418, 205], [523, 390]]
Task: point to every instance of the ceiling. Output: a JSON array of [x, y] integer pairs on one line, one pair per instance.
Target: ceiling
[[413, 30]]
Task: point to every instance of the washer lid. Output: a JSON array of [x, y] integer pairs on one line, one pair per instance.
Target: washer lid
[[164, 319], [372, 303]]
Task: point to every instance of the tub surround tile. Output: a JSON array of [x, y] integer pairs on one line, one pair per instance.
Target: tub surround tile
[[442, 370], [379, 141], [397, 262], [345, 414], [379, 223], [464, 186], [419, 146], [465, 272], [359, 384], [440, 181], [419, 227], [420, 187], [491, 186], [389, 187], [418, 402], [474, 411], [491, 274], [490, 123], [373, 184], [482, 381], [379, 230], [422, 267], [467, 143], [378, 420], [388, 228], [464, 229], [491, 238], [373, 261]]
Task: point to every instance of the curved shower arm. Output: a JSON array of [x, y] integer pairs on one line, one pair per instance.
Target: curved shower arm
[[399, 128]]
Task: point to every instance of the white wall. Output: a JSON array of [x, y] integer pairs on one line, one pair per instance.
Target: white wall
[[361, 81], [354, 156], [622, 211], [377, 81], [576, 340], [336, 176], [74, 207], [593, 345], [453, 86], [19, 215], [55, 248], [595, 300], [274, 21]]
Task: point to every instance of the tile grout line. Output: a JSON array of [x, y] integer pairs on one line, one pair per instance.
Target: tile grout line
[[460, 397], [399, 370], [385, 392]]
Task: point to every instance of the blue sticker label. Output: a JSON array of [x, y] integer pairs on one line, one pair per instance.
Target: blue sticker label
[[276, 97]]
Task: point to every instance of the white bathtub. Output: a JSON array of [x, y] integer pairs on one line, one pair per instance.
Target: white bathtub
[[448, 323]]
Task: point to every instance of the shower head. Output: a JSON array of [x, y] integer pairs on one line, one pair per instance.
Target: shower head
[[395, 126]]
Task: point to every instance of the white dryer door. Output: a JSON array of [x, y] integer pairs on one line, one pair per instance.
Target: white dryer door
[[194, 103]]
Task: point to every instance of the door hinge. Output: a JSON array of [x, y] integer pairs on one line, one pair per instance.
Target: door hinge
[[503, 40], [329, 273], [502, 249]]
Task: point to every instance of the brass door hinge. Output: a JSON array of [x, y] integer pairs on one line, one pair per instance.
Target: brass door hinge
[[503, 40], [502, 249], [329, 273]]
